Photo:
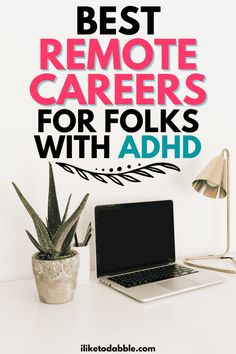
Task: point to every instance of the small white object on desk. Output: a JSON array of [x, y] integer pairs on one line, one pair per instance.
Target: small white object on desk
[[84, 265]]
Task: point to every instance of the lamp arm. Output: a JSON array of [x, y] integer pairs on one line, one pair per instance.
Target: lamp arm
[[226, 151]]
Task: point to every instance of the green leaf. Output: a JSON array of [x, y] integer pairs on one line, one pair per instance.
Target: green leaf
[[67, 243], [46, 225], [76, 240], [63, 231], [66, 211], [35, 243], [42, 233], [87, 235], [54, 219], [89, 229]]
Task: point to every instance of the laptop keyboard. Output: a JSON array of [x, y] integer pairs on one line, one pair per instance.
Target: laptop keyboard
[[151, 275]]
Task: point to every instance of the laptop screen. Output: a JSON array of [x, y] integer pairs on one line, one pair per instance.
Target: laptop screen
[[134, 236]]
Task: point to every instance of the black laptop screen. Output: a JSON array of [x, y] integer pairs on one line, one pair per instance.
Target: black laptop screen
[[134, 236]]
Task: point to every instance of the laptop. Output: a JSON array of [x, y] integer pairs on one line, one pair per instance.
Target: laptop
[[135, 252]]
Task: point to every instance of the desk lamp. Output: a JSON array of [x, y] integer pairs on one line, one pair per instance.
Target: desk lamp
[[213, 182]]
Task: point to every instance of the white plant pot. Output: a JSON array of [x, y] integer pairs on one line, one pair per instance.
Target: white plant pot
[[84, 264], [56, 279]]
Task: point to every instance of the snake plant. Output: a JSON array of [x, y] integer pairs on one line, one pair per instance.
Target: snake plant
[[54, 236]]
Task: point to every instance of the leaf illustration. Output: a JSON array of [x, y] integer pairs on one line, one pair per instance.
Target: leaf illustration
[[115, 180], [155, 169], [66, 167], [81, 173], [127, 175], [170, 165], [98, 177], [143, 173], [129, 178]]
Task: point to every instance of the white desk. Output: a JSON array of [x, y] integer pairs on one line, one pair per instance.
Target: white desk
[[198, 322]]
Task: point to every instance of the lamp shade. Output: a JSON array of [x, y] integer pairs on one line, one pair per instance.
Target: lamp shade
[[212, 181]]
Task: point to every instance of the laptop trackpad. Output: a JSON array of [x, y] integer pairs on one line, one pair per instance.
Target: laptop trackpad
[[178, 284]]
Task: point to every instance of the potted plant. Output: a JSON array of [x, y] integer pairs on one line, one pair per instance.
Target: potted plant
[[55, 265]]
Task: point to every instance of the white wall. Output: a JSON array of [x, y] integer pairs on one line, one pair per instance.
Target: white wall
[[200, 222]]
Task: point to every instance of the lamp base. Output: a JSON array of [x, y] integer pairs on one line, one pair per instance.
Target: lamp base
[[188, 261]]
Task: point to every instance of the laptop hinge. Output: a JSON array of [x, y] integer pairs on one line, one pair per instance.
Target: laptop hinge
[[131, 270]]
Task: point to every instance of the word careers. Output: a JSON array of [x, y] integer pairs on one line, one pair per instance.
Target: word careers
[[114, 77]]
